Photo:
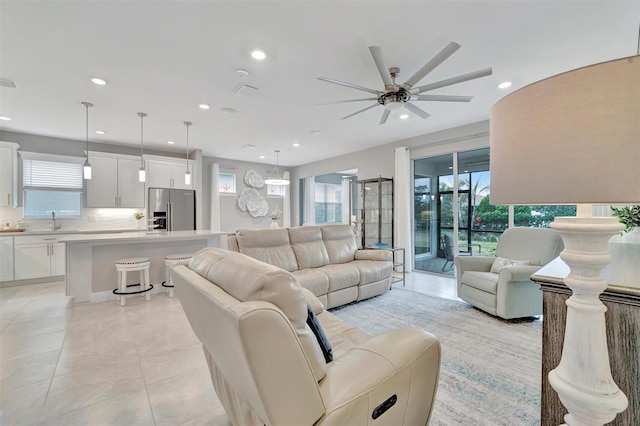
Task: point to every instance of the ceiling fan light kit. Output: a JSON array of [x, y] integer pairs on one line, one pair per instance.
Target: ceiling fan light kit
[[396, 96]]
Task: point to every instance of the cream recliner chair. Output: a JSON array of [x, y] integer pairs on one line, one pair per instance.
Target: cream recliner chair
[[268, 367], [500, 285]]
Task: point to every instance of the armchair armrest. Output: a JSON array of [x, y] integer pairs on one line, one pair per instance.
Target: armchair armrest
[[368, 374], [471, 263], [380, 255], [518, 272]]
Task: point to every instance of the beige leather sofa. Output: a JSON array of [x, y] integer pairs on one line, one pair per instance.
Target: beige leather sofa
[[267, 366], [324, 260], [500, 285]]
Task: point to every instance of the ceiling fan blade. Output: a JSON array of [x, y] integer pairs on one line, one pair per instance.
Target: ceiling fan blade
[[378, 58], [441, 98], [362, 110], [453, 80], [348, 100], [384, 117], [440, 57], [353, 86], [417, 111]]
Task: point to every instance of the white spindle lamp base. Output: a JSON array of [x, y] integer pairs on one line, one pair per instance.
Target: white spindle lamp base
[[583, 378]]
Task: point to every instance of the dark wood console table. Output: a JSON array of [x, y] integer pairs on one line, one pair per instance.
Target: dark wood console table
[[623, 341]]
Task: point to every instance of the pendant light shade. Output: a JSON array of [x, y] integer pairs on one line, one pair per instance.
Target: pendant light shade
[[276, 176], [86, 169], [187, 174], [142, 173]]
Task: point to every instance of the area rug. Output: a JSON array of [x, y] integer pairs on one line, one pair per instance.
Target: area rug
[[491, 368]]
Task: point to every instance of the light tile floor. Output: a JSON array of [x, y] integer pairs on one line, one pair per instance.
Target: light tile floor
[[102, 364]]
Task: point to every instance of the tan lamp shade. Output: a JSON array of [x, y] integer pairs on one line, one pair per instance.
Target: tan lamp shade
[[572, 138]]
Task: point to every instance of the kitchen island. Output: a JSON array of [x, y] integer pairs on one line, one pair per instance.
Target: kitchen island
[[90, 258]]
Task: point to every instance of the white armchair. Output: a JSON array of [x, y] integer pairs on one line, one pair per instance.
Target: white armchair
[[500, 285]]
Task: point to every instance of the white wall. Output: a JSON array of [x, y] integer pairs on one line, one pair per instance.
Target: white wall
[[231, 217], [379, 161]]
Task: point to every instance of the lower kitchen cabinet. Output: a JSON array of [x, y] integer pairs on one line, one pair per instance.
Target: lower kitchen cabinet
[[6, 259], [38, 256]]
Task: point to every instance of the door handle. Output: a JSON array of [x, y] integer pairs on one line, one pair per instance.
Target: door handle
[[8, 198], [48, 249], [51, 249]]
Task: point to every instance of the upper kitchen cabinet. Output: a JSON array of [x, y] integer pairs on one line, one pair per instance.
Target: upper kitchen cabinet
[[8, 174], [166, 172], [114, 181]]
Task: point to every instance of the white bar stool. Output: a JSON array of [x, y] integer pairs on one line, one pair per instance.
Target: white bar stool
[[133, 264], [173, 259]]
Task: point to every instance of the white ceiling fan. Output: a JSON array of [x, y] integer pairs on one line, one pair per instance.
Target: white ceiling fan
[[395, 96]]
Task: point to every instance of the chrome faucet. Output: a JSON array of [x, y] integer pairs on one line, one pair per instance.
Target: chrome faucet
[[53, 218]]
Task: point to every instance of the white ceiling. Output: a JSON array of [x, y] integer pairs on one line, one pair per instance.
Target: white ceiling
[[164, 58]]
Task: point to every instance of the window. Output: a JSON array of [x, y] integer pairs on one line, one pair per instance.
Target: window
[[51, 184], [328, 203], [275, 190], [226, 183]]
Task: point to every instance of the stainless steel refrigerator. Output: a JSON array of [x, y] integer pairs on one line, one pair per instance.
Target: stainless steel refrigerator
[[172, 209]]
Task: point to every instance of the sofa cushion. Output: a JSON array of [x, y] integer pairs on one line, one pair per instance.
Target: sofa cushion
[[340, 243], [372, 271], [313, 280], [308, 247], [248, 279], [341, 276], [269, 245], [485, 281]]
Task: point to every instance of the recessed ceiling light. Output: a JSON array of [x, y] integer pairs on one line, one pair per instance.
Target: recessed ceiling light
[[404, 116], [262, 157], [204, 106], [316, 132], [170, 142], [504, 85], [2, 117], [100, 132], [296, 144], [228, 110], [258, 54], [99, 81]]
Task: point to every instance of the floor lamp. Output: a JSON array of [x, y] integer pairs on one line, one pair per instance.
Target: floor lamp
[[574, 138]]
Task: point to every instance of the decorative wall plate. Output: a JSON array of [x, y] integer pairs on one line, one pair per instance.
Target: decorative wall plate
[[253, 179]]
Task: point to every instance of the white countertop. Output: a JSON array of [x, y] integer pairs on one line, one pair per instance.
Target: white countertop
[[141, 236], [67, 231]]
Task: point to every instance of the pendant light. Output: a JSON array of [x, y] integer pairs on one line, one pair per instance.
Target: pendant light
[[187, 174], [86, 169], [276, 176], [142, 174]]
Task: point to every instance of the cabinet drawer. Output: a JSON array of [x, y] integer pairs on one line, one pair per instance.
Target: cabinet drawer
[[38, 239]]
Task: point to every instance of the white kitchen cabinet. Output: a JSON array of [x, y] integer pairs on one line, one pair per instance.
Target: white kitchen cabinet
[[169, 173], [8, 174], [114, 181], [38, 256], [6, 259]]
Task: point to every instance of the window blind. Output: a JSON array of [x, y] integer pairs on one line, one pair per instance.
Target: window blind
[[51, 174]]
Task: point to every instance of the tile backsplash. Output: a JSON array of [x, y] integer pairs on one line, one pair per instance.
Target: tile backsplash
[[92, 219]]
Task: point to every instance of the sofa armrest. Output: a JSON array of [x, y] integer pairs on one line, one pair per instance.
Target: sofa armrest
[[403, 362], [381, 255], [315, 303]]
